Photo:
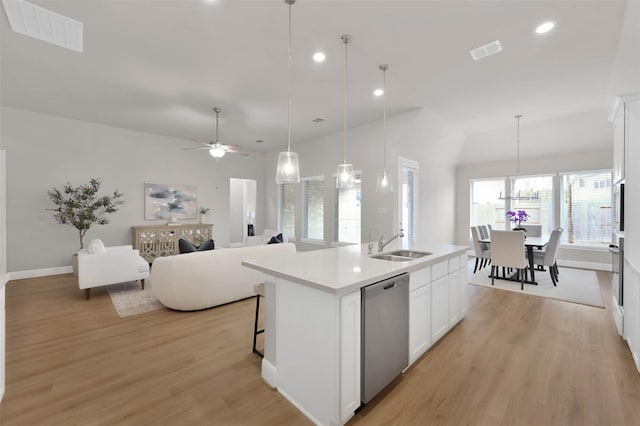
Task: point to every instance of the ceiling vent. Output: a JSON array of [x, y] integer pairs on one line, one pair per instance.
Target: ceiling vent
[[318, 120], [37, 22], [486, 50]]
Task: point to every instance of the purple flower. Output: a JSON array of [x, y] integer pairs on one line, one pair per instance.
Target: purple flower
[[518, 216]]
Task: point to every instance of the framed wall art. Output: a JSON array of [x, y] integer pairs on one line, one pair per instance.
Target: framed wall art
[[170, 201]]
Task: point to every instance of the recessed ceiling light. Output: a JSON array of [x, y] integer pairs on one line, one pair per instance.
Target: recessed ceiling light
[[319, 57], [378, 92], [545, 27]]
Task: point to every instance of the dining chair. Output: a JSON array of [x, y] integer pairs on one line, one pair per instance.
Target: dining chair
[[482, 252], [549, 256], [507, 250], [484, 231], [532, 230]]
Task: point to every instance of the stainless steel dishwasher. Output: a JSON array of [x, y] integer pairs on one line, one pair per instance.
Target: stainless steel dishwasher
[[385, 333]]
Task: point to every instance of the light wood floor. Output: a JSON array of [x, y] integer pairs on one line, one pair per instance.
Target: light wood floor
[[514, 360]]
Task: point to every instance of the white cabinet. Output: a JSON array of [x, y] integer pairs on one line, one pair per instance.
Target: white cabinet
[[619, 144], [2, 334], [439, 308], [463, 285], [632, 311], [349, 355], [419, 322], [454, 297]]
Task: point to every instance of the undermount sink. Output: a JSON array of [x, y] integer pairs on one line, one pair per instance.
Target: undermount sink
[[410, 253], [400, 255]]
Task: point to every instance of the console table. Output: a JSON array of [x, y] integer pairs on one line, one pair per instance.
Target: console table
[[162, 240]]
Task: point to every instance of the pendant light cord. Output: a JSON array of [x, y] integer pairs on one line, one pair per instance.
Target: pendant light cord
[[345, 39], [384, 118], [289, 99], [518, 146]]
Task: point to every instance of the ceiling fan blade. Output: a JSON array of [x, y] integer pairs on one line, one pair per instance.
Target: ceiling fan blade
[[191, 149], [233, 151]]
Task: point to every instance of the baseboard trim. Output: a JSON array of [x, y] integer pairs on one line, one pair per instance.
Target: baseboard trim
[[269, 374], [585, 265], [34, 273]]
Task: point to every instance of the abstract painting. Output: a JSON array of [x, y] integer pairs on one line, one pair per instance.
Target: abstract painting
[[164, 201]]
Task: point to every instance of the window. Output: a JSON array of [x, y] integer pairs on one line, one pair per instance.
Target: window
[[287, 209], [348, 213], [586, 208], [408, 198], [486, 206], [313, 208], [540, 211]]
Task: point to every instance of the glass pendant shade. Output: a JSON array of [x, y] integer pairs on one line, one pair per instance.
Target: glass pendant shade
[[383, 182], [288, 170], [217, 152], [345, 177]]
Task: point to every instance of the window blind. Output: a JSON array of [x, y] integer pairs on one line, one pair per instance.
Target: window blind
[[313, 209], [586, 214], [287, 209], [348, 206], [409, 177]]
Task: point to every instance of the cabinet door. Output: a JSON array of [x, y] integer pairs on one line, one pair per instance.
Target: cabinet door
[[632, 311], [464, 291], [619, 145], [349, 355], [439, 308], [454, 298], [419, 322], [2, 345]]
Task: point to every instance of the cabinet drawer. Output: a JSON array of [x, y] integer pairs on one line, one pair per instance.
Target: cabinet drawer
[[419, 278], [453, 264], [439, 270]]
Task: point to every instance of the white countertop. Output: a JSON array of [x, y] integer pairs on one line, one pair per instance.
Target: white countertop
[[345, 269]]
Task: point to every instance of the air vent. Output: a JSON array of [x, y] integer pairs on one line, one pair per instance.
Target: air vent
[[486, 50], [42, 24], [318, 120]]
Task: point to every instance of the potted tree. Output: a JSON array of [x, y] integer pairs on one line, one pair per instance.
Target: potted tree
[[81, 207]]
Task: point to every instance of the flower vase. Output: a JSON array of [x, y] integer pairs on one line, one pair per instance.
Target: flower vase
[[203, 218]]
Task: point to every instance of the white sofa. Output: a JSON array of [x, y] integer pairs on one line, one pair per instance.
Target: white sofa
[[204, 279], [99, 266]]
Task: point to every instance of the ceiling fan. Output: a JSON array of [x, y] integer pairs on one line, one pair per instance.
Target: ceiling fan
[[217, 149]]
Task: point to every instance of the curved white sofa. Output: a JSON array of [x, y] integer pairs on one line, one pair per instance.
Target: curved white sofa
[[204, 279]]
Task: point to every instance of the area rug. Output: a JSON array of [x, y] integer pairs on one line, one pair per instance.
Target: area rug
[[575, 285], [128, 299]]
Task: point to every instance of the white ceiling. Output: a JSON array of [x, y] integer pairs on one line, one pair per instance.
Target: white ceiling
[[160, 66]]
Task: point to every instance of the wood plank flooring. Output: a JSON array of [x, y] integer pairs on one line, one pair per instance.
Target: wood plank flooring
[[514, 360]]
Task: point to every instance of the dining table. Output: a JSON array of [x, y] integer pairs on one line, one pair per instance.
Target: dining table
[[530, 244]]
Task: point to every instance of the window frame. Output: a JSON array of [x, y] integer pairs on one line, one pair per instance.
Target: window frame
[[281, 212], [336, 216], [406, 162]]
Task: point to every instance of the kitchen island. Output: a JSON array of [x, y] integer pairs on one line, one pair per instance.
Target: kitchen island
[[312, 348]]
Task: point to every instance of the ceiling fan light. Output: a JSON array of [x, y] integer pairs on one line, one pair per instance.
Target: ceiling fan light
[[288, 169], [217, 152], [345, 177]]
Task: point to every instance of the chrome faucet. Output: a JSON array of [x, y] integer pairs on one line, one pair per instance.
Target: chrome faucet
[[382, 243]]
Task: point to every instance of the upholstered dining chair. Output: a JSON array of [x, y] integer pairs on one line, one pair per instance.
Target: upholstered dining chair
[[507, 250], [532, 230], [482, 252], [484, 231], [549, 256]]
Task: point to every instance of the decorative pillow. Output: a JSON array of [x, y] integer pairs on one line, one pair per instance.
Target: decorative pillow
[[185, 246], [276, 239], [96, 247]]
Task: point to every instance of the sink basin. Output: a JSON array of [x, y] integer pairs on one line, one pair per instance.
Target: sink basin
[[394, 258], [409, 253], [401, 255]]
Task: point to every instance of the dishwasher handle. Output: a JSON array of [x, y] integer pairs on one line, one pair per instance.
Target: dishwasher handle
[[389, 286]]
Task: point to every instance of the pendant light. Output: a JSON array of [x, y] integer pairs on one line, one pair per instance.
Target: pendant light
[[536, 195], [345, 177], [288, 170], [383, 182]]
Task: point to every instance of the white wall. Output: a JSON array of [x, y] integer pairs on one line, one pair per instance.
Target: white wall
[[44, 151], [417, 135], [579, 161]]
